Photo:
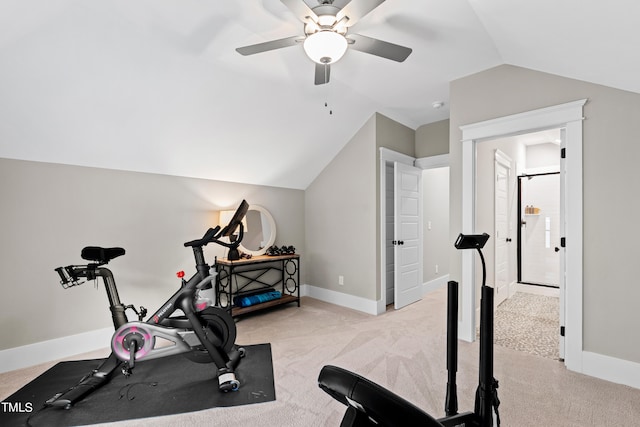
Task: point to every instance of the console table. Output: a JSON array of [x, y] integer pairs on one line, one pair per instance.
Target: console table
[[249, 276]]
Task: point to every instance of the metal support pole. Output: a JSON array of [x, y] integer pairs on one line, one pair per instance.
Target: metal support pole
[[451, 400]]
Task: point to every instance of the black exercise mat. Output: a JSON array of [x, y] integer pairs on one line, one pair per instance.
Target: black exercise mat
[[165, 386]]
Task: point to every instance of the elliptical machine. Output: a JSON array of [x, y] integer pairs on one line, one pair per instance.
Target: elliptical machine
[[371, 405], [204, 333]]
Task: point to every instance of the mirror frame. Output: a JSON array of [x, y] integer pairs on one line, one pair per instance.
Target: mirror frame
[[272, 238]]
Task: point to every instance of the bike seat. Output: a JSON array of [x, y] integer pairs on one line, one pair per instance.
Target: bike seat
[[101, 255], [371, 401]]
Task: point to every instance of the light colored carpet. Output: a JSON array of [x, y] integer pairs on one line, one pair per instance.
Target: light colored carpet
[[529, 323], [403, 350]]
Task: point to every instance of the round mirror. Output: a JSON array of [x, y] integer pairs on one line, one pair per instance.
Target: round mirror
[[260, 231]]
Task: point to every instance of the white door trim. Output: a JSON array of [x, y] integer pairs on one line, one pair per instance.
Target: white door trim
[[387, 155], [432, 162], [568, 116]]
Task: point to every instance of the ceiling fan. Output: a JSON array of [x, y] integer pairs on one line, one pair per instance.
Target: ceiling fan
[[325, 37]]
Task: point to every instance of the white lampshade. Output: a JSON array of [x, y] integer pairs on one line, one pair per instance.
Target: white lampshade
[[325, 47]]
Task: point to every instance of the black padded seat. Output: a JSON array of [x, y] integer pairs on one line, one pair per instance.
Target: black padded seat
[[101, 255], [367, 401]]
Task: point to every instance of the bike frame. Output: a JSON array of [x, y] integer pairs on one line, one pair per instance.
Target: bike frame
[[179, 330], [135, 340]]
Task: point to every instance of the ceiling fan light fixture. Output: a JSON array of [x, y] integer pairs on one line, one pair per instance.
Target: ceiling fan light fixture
[[326, 20], [325, 46]]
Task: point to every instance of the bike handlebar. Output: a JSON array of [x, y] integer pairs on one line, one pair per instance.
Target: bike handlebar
[[63, 277], [209, 236]]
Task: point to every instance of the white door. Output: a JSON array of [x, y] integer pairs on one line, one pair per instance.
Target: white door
[[407, 235], [502, 237], [561, 250]]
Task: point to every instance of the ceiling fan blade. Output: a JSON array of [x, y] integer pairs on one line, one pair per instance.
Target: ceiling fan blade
[[301, 10], [356, 9], [379, 48], [271, 45], [322, 73]]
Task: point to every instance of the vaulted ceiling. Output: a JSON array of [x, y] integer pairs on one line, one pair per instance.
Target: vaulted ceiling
[[157, 86]]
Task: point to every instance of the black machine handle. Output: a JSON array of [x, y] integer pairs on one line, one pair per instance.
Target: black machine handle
[[209, 236]]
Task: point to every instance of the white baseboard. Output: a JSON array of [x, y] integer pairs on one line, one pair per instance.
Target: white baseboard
[[344, 300], [611, 369], [359, 303], [435, 284], [362, 304], [59, 348]]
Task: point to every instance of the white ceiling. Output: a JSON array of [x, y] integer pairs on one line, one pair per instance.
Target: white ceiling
[[156, 85]]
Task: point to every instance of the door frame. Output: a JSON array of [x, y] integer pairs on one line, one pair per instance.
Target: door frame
[[386, 155], [568, 116], [389, 156]]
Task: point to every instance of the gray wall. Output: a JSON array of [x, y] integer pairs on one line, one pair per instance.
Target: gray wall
[[340, 219], [342, 208], [435, 191], [432, 139], [610, 156], [50, 212]]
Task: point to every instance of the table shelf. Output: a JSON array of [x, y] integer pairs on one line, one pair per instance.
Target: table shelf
[[260, 273]]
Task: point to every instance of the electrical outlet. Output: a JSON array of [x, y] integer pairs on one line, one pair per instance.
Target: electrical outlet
[[428, 225], [341, 280], [436, 268]]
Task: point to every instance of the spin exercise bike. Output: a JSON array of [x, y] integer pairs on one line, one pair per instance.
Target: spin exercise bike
[[204, 334], [369, 404]]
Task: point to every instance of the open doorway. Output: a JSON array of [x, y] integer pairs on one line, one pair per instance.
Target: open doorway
[[518, 203], [569, 116], [400, 230], [433, 227]]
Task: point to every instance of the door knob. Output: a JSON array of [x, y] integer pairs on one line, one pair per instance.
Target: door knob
[[557, 249]]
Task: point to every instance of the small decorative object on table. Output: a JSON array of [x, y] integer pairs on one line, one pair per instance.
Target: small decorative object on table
[[284, 250]]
